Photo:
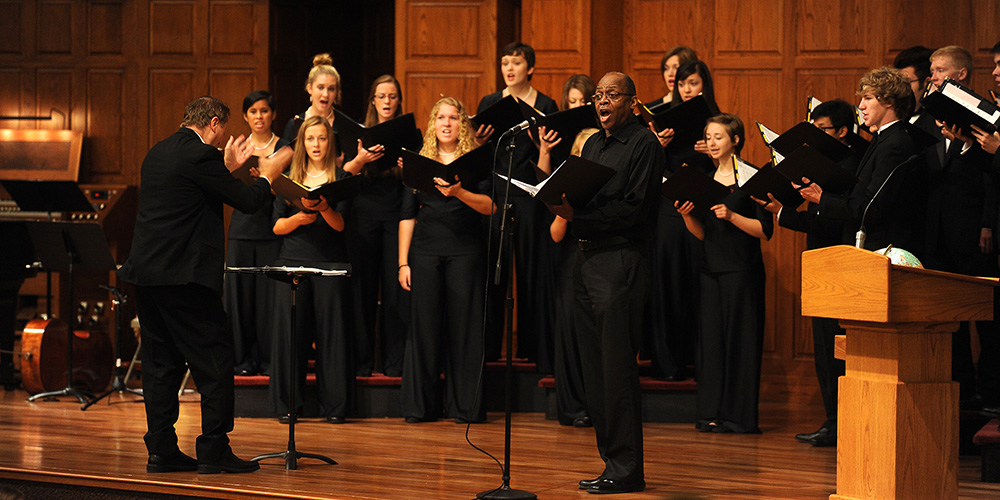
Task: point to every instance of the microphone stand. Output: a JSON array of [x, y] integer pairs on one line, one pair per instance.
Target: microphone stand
[[859, 237], [506, 256]]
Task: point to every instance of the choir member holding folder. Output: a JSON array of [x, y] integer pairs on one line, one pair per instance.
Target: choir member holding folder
[[672, 317], [517, 64], [442, 247], [373, 242], [314, 238], [731, 289], [836, 118], [249, 297]]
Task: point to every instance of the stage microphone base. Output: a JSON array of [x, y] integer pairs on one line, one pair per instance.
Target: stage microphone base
[[506, 493]]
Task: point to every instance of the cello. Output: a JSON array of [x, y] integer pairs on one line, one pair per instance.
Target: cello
[[44, 357]]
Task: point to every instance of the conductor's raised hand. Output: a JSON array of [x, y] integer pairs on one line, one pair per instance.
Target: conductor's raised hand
[[237, 152], [272, 166], [563, 209]]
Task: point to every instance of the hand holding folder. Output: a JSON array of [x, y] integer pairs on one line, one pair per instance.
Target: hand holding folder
[[957, 105], [333, 192], [419, 172], [688, 184]]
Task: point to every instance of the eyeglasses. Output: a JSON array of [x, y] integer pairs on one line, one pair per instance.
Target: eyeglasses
[[612, 96], [826, 128], [391, 97]]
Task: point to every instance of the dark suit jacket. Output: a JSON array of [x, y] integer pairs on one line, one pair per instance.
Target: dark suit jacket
[[897, 215], [960, 199], [179, 232]]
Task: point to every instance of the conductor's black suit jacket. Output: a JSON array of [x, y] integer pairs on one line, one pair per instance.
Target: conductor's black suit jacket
[[179, 232]]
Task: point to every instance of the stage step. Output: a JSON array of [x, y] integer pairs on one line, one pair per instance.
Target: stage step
[[378, 396]]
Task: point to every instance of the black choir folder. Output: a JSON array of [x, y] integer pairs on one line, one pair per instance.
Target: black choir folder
[[687, 119], [502, 115], [578, 178], [806, 161], [395, 134], [334, 191], [769, 180], [688, 184], [419, 172], [956, 104], [807, 133]]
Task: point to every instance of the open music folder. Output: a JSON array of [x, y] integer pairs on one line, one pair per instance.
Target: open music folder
[[578, 178], [956, 104], [806, 161], [502, 115], [395, 134], [335, 191], [807, 133], [688, 184], [419, 172], [768, 180], [687, 119]]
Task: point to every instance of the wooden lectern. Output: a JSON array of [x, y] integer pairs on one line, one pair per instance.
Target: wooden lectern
[[897, 430]]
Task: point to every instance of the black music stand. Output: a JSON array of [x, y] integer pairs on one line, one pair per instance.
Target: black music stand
[[118, 383], [68, 247], [293, 276]]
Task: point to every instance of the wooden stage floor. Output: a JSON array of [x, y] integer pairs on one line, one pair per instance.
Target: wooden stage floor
[[54, 442]]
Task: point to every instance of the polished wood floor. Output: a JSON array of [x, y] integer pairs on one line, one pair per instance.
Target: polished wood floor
[[389, 459]]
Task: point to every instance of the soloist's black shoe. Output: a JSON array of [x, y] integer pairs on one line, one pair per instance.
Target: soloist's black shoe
[[611, 486], [228, 463], [177, 462]]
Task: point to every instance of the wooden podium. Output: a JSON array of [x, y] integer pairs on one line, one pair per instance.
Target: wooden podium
[[897, 430]]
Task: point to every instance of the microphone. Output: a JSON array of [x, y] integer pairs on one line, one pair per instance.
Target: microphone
[[521, 126], [859, 237]]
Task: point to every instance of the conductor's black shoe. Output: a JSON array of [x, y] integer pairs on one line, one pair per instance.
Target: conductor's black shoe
[[821, 439], [582, 422], [228, 463], [611, 486], [177, 462], [335, 420], [587, 483]]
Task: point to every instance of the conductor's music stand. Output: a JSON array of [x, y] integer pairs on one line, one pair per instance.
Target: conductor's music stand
[[293, 276], [67, 247]]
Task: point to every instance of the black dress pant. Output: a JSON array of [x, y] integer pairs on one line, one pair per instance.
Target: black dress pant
[[672, 331], [185, 324], [828, 368], [249, 299], [571, 399], [322, 315], [611, 288], [446, 328], [531, 264], [374, 249], [730, 348]]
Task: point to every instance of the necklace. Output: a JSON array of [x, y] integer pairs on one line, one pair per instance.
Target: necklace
[[525, 96], [321, 174], [264, 146], [447, 155]]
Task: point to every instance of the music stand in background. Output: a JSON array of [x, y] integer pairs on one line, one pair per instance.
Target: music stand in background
[[62, 247], [118, 384], [293, 276]]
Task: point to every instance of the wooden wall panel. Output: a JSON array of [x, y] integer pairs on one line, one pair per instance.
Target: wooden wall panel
[[229, 33], [560, 53], [171, 28], [651, 28], [929, 23], [106, 112], [749, 27], [831, 27], [826, 85], [105, 28], [55, 88], [11, 92], [431, 61], [986, 29], [55, 27], [169, 91], [231, 86], [11, 17], [751, 95]]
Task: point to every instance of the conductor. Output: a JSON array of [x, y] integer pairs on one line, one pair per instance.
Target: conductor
[[176, 265]]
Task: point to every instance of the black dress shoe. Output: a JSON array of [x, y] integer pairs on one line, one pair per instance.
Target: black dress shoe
[[587, 483], [824, 437], [336, 420], [228, 463], [177, 462], [612, 486], [582, 422], [807, 437]]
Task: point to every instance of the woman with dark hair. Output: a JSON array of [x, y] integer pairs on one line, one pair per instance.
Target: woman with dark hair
[[373, 242], [314, 238], [248, 297], [670, 63], [442, 247], [731, 290]]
